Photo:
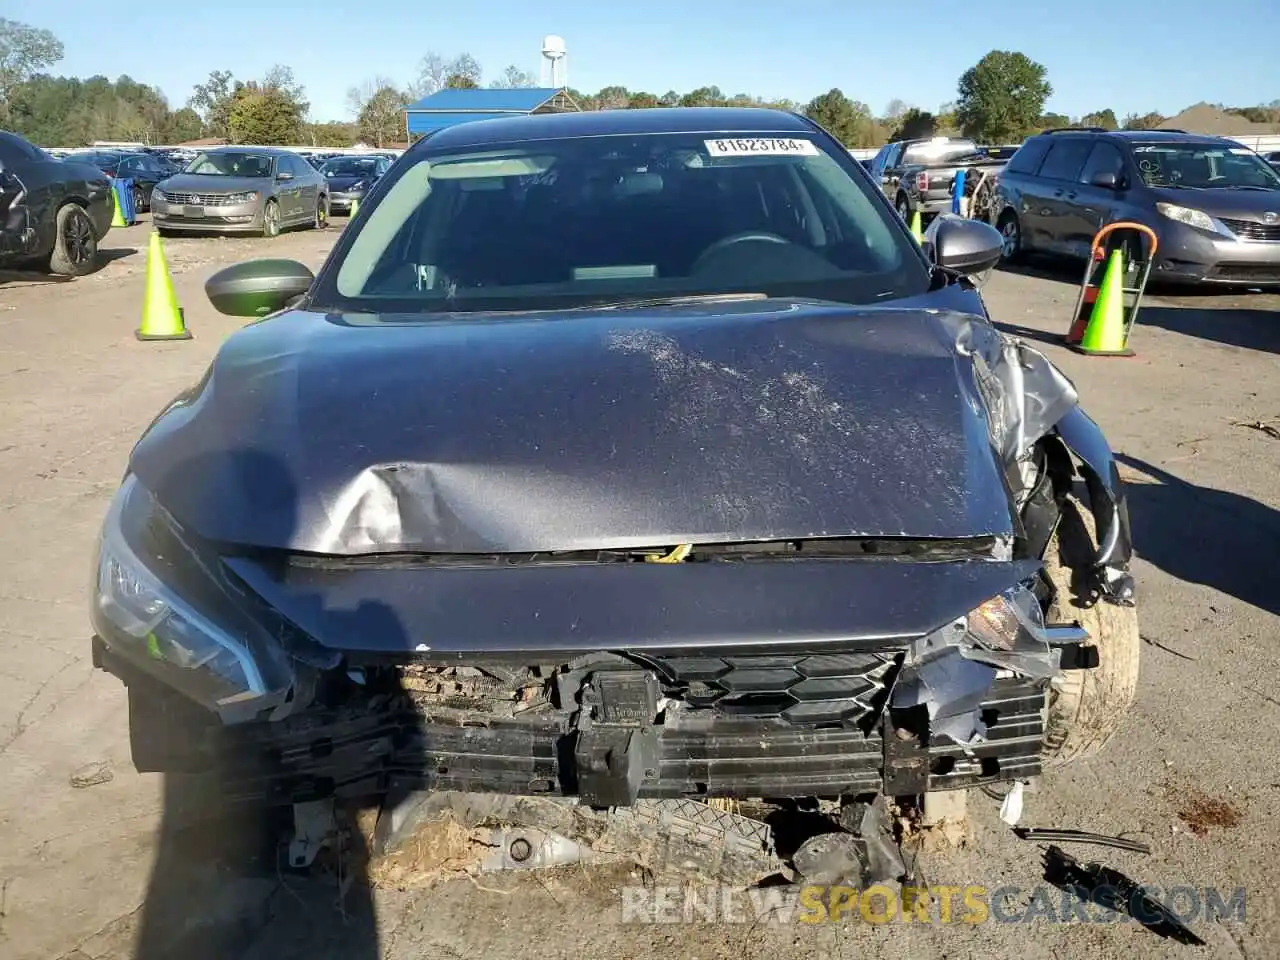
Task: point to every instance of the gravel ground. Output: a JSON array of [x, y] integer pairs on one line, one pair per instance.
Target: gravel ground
[[95, 861]]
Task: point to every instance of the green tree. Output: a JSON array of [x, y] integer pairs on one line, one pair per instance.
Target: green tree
[[380, 120], [184, 125], [1053, 121], [641, 101], [1101, 118], [849, 121], [460, 81], [948, 124], [68, 111], [265, 115], [1146, 121], [703, 97], [1002, 97], [613, 98], [24, 52], [212, 100], [915, 124], [331, 134]]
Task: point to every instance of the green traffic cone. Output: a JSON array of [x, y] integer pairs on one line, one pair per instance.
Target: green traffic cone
[[162, 318], [1106, 336]]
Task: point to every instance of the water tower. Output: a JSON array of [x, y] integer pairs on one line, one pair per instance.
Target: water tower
[[556, 57]]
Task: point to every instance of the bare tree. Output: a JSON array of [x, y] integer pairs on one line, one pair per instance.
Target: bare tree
[[434, 72], [895, 109], [513, 77], [358, 97], [281, 78]]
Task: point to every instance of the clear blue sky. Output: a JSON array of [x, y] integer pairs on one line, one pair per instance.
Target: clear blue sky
[[1132, 57]]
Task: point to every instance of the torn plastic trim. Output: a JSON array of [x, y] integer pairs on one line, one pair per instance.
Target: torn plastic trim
[[1107, 502], [950, 671]]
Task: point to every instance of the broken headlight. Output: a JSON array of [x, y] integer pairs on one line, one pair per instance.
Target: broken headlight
[[147, 621], [951, 670]]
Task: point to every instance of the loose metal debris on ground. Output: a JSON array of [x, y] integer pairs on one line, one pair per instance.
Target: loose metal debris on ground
[[422, 838]]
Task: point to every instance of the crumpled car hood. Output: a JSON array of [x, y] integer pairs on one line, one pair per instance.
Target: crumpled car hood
[[586, 430]]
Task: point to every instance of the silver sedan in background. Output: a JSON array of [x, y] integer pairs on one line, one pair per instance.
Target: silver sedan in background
[[259, 190]]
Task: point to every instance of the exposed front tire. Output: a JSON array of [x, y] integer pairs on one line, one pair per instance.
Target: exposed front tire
[[75, 246], [271, 219], [903, 206], [1087, 707], [1011, 231]]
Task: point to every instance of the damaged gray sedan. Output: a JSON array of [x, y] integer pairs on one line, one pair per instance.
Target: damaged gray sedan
[[624, 455]]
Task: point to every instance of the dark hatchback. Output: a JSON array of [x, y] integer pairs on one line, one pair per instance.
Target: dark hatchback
[[620, 455], [1214, 204]]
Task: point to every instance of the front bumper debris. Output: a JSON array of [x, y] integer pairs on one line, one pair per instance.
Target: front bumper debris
[[382, 743]]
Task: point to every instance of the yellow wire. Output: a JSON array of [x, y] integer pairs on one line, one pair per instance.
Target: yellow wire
[[675, 556]]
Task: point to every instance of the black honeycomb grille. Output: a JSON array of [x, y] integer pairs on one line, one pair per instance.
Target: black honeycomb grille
[[832, 688]]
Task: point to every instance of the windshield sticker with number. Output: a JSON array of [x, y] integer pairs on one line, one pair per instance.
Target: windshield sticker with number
[[761, 147]]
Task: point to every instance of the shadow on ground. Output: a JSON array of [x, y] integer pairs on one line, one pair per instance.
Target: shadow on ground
[[113, 254], [223, 884], [31, 277], [1200, 535], [1045, 268], [34, 275], [1253, 329]]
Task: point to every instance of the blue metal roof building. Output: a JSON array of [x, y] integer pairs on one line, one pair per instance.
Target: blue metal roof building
[[446, 108]]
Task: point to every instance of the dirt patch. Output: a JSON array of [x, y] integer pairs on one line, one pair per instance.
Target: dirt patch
[[441, 849], [1200, 811]]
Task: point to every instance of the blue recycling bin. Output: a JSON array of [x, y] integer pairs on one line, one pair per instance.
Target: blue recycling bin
[[957, 193], [124, 200]]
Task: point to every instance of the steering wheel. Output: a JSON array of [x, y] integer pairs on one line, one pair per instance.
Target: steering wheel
[[744, 237]]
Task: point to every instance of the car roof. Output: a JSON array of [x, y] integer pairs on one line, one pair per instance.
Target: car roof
[[1172, 136], [274, 151], [603, 123], [1145, 136]]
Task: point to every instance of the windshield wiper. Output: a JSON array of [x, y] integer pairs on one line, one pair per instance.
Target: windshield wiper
[[1251, 186], [675, 301]]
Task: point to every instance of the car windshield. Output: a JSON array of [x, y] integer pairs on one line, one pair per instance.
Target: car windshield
[[1203, 166], [231, 164], [349, 167], [611, 220]]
